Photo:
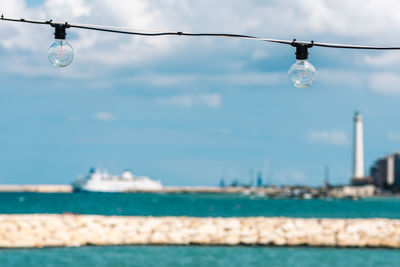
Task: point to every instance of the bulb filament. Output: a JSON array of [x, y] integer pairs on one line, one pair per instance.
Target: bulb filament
[[304, 73]]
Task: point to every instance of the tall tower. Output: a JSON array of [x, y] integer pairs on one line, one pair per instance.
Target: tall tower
[[358, 163]]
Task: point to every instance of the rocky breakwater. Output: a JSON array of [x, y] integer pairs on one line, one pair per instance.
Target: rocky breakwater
[[45, 230]]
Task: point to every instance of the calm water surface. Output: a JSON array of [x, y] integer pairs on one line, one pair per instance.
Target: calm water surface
[[200, 205], [198, 256]]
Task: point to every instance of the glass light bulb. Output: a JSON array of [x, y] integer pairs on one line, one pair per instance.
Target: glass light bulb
[[61, 53], [302, 74]]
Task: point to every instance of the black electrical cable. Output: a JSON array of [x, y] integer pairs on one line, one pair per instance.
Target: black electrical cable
[[23, 20], [179, 33]]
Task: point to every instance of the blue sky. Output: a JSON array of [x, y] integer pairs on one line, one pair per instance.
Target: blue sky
[[188, 110]]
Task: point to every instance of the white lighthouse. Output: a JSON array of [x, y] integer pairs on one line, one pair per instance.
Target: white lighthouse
[[358, 163]]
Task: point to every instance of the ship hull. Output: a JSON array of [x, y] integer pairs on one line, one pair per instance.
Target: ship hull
[[117, 187]]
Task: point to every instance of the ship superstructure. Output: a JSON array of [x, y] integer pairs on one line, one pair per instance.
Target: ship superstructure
[[102, 181]]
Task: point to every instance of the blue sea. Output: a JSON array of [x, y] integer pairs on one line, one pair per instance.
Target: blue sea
[[199, 205], [199, 256]]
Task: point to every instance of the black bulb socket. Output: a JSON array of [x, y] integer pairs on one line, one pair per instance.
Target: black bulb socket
[[302, 49], [301, 52], [60, 31]]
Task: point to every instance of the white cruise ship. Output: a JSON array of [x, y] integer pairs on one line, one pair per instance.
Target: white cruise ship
[[101, 181]]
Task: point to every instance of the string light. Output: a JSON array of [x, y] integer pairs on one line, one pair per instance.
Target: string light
[[60, 52], [302, 73]]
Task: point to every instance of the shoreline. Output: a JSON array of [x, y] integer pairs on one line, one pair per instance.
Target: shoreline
[[39, 188], [197, 245], [275, 192], [71, 230]]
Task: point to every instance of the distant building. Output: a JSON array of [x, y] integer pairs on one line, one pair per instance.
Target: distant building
[[359, 191], [378, 173], [386, 171]]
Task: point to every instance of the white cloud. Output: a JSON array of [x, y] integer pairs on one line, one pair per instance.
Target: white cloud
[[259, 54], [348, 78], [72, 118], [187, 101], [390, 58], [393, 136], [104, 116], [385, 83], [95, 52], [254, 78], [64, 9], [211, 100], [225, 131], [90, 47], [333, 137], [302, 19], [290, 177], [170, 79]]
